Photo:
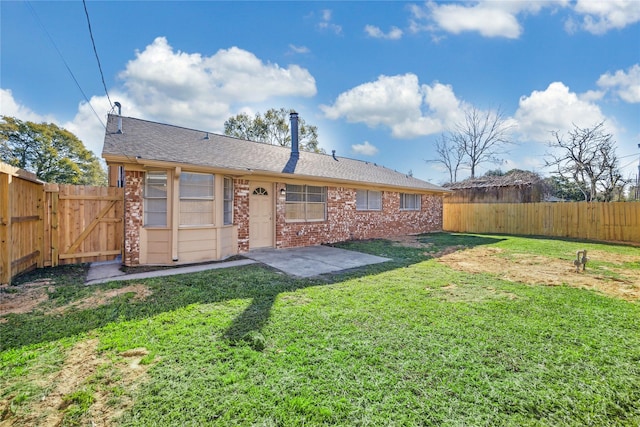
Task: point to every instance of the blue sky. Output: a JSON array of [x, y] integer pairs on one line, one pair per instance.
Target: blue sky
[[380, 80]]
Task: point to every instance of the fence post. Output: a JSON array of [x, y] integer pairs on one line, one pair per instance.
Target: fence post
[[5, 228], [42, 200], [55, 228]]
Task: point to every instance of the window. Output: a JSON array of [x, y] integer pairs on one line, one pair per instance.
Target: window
[[228, 201], [120, 179], [368, 200], [260, 192], [306, 203], [409, 202], [155, 199], [196, 199]]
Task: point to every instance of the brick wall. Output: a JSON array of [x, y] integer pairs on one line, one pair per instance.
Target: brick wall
[[241, 212], [345, 222], [134, 182]]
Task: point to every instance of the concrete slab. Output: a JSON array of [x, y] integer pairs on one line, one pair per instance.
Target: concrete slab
[[300, 262], [158, 273], [312, 260], [104, 270]]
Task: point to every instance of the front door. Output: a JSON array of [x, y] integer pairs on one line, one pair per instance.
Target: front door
[[260, 215]]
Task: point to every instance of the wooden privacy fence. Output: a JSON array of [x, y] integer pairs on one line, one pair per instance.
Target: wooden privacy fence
[[44, 225], [616, 221]]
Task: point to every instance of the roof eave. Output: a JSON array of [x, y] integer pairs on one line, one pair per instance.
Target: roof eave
[[151, 163]]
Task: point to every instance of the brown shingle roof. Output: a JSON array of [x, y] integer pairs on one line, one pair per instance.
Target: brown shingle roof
[[161, 142]]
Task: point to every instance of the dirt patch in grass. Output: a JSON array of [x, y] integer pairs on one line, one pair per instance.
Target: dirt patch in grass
[[409, 241], [103, 297], [454, 293], [23, 298], [27, 297], [412, 241], [541, 270], [84, 371]]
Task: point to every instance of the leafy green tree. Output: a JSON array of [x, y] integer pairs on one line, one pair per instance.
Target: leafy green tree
[[273, 128], [563, 188], [54, 154]]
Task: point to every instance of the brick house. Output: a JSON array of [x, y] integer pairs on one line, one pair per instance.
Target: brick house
[[192, 196]]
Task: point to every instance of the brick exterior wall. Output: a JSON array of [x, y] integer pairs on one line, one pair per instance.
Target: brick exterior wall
[[344, 222], [133, 216], [241, 212]]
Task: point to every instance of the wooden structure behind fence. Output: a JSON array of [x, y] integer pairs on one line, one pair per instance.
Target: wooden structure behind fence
[[44, 225], [615, 221]]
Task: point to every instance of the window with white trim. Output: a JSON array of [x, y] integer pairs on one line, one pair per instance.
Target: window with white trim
[[368, 200], [196, 198], [409, 202], [228, 201], [305, 203], [155, 199]]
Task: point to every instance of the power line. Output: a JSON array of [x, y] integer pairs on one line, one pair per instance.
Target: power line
[[86, 12], [630, 163], [64, 61]]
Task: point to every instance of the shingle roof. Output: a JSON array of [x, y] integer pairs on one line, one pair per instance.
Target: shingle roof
[[161, 142]]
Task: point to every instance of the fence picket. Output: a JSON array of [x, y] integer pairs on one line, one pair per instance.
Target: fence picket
[[615, 221]]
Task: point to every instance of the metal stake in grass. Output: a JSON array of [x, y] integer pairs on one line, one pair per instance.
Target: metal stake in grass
[[580, 261]]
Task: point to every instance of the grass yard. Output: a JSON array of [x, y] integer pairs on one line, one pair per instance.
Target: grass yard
[[446, 334]]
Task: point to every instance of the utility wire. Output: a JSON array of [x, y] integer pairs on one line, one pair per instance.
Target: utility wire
[[86, 12], [630, 163], [64, 61]]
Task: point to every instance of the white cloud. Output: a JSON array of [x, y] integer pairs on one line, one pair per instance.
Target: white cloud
[[488, 21], [602, 16], [489, 18], [554, 109], [394, 33], [365, 149], [200, 91], [186, 89], [298, 49], [326, 24], [9, 106], [592, 95], [399, 103], [625, 84]]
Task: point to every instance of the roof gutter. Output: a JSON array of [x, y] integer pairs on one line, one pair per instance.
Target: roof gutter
[[275, 176]]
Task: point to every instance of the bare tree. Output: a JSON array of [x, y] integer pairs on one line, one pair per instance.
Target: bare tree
[[449, 155], [481, 138], [587, 157]]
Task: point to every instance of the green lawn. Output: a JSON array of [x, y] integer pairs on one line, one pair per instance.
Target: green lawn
[[386, 345]]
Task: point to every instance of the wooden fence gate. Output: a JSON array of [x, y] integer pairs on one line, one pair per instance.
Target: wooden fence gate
[[45, 225], [84, 223]]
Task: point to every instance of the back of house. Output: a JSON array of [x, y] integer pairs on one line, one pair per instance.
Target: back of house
[[194, 196]]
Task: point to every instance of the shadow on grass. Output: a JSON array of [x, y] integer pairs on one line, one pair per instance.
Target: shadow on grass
[[260, 284]]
